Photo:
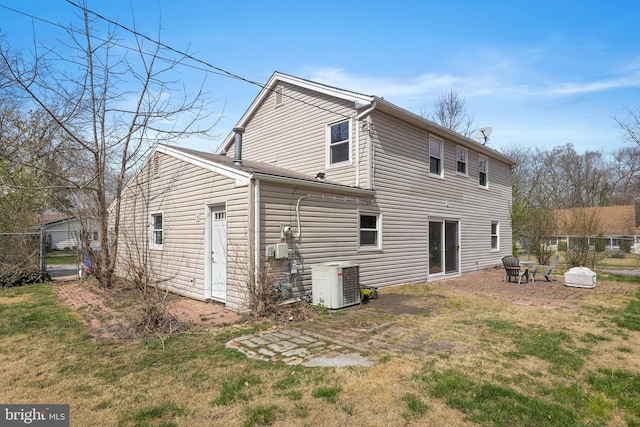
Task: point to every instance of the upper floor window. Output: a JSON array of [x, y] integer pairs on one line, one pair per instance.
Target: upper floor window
[[339, 142], [156, 231], [461, 161], [369, 231], [435, 156], [483, 172]]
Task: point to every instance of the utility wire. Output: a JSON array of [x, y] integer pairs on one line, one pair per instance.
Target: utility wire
[[200, 61], [208, 67]]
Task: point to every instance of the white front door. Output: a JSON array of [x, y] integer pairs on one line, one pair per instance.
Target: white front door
[[218, 238]]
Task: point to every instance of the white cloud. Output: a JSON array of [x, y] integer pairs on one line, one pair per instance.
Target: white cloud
[[392, 87]]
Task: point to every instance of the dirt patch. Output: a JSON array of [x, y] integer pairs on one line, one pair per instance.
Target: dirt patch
[[396, 303], [109, 313], [434, 319]]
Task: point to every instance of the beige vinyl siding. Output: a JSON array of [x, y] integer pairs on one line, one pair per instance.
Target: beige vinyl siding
[[183, 192], [409, 197], [328, 229], [293, 135]]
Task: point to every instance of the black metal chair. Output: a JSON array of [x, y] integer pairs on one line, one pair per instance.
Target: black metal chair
[[512, 268]]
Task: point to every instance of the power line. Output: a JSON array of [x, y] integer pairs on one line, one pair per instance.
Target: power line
[[208, 67], [200, 61]]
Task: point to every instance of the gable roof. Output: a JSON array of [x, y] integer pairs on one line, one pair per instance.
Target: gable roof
[[253, 170], [613, 220], [360, 101], [49, 219]]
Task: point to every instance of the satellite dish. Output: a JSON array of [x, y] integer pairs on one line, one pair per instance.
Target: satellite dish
[[483, 133]]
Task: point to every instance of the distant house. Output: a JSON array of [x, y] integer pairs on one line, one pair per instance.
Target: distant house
[[65, 232], [315, 174], [616, 225]]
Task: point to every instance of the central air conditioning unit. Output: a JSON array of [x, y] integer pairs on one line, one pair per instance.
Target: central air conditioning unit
[[335, 284]]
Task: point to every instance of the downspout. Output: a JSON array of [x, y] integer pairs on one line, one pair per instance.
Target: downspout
[[358, 118], [256, 230]]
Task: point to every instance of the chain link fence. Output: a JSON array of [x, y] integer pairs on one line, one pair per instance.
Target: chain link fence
[[45, 254], [596, 252]]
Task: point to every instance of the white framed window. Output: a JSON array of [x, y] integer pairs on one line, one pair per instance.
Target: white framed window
[[461, 161], [483, 172], [495, 235], [435, 156], [369, 230], [157, 237], [338, 143]]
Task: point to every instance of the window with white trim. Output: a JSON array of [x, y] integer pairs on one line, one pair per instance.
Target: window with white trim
[[483, 172], [495, 235], [339, 143], [157, 239], [461, 161], [369, 231], [435, 156]]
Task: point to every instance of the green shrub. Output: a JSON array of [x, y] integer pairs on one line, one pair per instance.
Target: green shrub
[[625, 244], [562, 246], [20, 278]]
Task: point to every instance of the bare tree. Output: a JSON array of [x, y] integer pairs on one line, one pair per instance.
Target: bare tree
[[625, 175], [450, 111], [109, 104], [584, 246], [570, 179], [630, 124]]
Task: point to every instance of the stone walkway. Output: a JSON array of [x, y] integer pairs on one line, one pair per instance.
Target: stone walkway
[[295, 347]]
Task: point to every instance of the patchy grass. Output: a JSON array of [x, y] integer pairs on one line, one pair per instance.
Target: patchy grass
[[622, 387], [415, 409], [61, 260], [630, 317], [330, 394], [489, 403], [461, 360], [236, 389], [162, 414]]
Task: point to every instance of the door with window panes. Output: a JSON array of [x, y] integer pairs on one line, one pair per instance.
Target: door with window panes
[[444, 247], [218, 239]]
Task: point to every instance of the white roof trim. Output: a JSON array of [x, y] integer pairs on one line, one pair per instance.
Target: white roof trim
[[358, 99], [242, 178]]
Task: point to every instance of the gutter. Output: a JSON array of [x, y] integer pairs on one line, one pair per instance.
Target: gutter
[[320, 186]]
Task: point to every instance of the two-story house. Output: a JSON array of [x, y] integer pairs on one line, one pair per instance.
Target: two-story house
[[313, 174]]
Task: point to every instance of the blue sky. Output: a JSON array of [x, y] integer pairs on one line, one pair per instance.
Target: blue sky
[[540, 73]]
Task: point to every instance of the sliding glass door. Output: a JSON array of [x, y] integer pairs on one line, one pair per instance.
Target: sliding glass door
[[444, 247]]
